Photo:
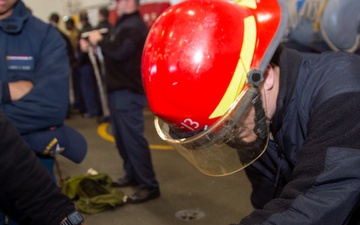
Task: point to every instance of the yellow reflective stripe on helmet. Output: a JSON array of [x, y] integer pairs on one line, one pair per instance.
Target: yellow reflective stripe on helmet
[[243, 66], [247, 3]]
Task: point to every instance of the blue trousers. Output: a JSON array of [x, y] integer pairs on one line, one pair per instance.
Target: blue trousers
[[78, 98], [89, 90], [127, 122]]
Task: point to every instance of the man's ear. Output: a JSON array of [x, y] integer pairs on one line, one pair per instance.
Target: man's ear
[[269, 78]]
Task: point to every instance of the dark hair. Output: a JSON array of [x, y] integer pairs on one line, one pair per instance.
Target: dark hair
[[70, 21], [54, 17], [84, 16], [104, 12], [276, 57], [137, 2]]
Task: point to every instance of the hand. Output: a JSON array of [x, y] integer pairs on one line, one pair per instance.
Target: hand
[[19, 89], [84, 45], [94, 37]]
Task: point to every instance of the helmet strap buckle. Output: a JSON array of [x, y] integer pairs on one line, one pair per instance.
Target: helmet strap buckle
[[255, 77]]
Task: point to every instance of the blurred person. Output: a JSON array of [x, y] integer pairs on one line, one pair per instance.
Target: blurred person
[[77, 103], [88, 84], [122, 53], [103, 19], [73, 32], [54, 20], [27, 193], [105, 28], [228, 96]]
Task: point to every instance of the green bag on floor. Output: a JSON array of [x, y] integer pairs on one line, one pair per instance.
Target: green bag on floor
[[93, 193]]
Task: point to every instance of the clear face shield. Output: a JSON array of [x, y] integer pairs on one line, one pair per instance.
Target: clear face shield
[[233, 142]]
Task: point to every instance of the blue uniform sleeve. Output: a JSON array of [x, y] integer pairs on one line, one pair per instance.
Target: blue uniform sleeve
[[46, 104]]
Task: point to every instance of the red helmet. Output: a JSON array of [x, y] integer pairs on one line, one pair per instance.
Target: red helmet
[[201, 60]]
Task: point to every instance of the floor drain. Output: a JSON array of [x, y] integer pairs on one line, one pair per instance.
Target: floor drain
[[189, 214]]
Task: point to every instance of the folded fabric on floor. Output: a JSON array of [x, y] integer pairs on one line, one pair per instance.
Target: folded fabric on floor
[[93, 193]]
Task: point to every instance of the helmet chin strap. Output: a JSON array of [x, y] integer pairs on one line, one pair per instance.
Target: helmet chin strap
[[256, 78], [248, 151], [262, 122], [260, 129]]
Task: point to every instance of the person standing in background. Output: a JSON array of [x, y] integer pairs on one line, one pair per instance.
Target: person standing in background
[[103, 19], [105, 28], [77, 104], [88, 83], [54, 20], [122, 52]]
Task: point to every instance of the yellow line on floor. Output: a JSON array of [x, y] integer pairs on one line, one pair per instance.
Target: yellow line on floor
[[102, 132]]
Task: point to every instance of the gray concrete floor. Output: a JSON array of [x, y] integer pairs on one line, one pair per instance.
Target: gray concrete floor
[[219, 200]]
